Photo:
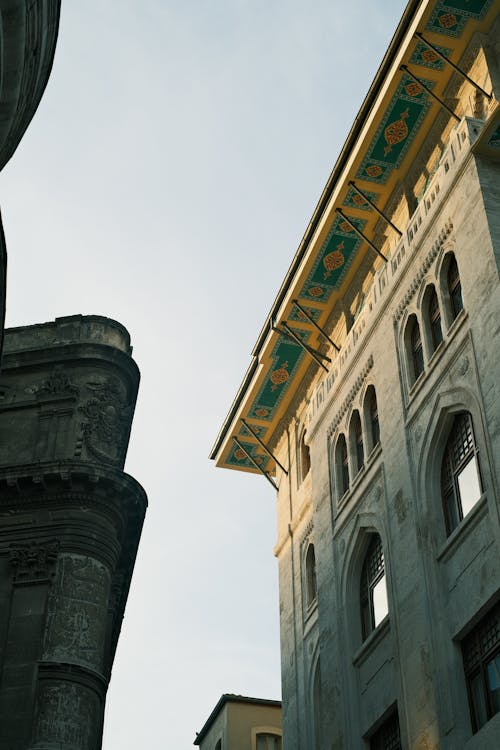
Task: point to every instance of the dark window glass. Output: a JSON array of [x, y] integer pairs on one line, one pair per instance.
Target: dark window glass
[[417, 354], [373, 417], [435, 320], [357, 435], [343, 465], [304, 457], [481, 655], [373, 589], [311, 586], [460, 478], [454, 288], [387, 737]]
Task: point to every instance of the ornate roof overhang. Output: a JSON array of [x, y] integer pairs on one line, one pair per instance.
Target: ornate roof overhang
[[28, 35], [395, 118]]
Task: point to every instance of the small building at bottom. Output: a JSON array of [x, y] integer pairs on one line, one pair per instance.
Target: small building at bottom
[[241, 723]]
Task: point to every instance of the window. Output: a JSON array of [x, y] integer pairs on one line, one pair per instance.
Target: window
[[304, 457], [342, 465], [414, 346], [356, 435], [267, 741], [434, 319], [460, 478], [373, 590], [371, 414], [311, 586], [454, 288], [387, 737], [481, 655], [218, 746]]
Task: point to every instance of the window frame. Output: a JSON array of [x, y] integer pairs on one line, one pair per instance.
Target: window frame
[[482, 651], [368, 583], [342, 469], [452, 469]]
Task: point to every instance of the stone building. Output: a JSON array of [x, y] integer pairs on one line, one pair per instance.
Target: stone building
[[241, 723], [70, 522], [372, 404]]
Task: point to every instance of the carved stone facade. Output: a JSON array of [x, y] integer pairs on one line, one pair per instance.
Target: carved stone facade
[[70, 523]]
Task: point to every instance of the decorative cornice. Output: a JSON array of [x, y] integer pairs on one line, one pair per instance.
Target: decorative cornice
[[429, 259], [356, 387], [33, 561]]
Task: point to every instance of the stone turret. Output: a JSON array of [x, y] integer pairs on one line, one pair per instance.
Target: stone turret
[[70, 523]]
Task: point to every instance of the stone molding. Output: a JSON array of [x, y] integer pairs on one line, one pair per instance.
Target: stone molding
[[428, 261], [358, 383], [33, 561]]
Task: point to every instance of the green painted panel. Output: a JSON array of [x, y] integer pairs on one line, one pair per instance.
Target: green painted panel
[[494, 141], [237, 456], [261, 431], [427, 58], [333, 260], [450, 16], [286, 357], [354, 199], [396, 131], [299, 317]]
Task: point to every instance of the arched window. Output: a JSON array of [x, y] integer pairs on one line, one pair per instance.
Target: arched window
[[433, 315], [304, 457], [268, 741], [454, 287], [311, 586], [218, 745], [342, 464], [373, 588], [356, 439], [371, 417], [460, 477], [415, 351]]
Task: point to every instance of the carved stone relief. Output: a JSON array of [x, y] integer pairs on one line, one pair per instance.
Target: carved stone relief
[[33, 561], [107, 419]]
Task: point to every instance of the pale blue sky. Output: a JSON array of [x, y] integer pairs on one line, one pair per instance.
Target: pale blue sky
[[166, 181]]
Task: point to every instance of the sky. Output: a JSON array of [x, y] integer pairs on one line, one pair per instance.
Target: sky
[[166, 181]]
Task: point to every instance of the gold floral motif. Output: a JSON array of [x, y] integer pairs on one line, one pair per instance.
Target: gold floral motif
[[316, 291], [240, 454], [429, 56], [413, 89], [374, 170], [345, 226], [333, 260], [358, 200], [448, 20], [396, 132], [279, 376], [261, 412]]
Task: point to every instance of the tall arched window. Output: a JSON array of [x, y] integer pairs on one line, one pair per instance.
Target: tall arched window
[[414, 345], [454, 287], [218, 746], [433, 314], [460, 477], [317, 705], [356, 439], [371, 417], [373, 588], [304, 457], [342, 465], [311, 585]]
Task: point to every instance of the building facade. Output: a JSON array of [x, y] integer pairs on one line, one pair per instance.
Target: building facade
[[372, 403], [241, 723], [70, 523]]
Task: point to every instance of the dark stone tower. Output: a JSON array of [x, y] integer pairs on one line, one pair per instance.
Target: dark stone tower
[[70, 523]]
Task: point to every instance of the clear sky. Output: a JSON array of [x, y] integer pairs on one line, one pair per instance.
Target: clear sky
[[166, 181]]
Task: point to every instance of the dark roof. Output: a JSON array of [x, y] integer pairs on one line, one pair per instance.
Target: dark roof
[[230, 698]]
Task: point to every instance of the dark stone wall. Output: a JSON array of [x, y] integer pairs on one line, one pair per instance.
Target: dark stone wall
[[70, 523]]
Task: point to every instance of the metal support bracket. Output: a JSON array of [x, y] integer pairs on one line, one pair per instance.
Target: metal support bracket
[[313, 322], [360, 234], [263, 445], [372, 204], [455, 67], [430, 92], [254, 462], [312, 352]]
